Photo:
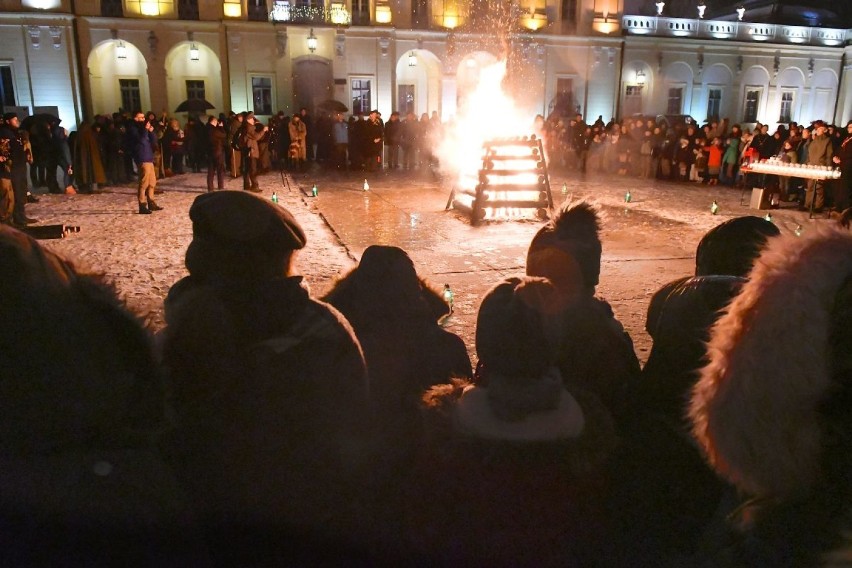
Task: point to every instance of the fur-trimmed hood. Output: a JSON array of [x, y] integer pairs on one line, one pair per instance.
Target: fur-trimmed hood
[[756, 406]]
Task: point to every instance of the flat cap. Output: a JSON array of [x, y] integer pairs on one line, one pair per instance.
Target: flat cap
[[239, 236]]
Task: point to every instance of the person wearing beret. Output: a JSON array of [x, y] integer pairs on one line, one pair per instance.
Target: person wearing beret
[[13, 172], [270, 390]]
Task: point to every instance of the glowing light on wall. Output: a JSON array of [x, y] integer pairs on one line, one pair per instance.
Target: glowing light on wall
[[312, 41], [383, 14], [120, 50], [233, 9], [640, 77], [534, 21], [450, 19], [193, 52], [412, 59], [605, 24]]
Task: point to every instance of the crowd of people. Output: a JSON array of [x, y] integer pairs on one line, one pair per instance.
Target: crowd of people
[[712, 153], [266, 427]]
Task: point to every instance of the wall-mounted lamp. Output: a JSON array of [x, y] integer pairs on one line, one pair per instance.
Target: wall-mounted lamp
[[412, 59], [312, 41], [120, 50], [640, 77], [193, 52], [383, 14]]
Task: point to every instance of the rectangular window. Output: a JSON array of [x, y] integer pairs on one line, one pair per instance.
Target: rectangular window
[[787, 98], [405, 99], [361, 97], [419, 14], [7, 86], [633, 100], [569, 11], [131, 98], [675, 102], [188, 9], [257, 11], [195, 89], [112, 9], [714, 104], [261, 95], [752, 105], [360, 12]]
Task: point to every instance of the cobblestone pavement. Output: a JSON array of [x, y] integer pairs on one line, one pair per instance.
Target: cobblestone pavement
[[646, 242]]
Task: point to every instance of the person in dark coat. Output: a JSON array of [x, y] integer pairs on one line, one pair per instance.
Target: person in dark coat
[[510, 472], [770, 410], [597, 354], [843, 159], [374, 134], [395, 314], [270, 392], [216, 143], [393, 140], [82, 408], [13, 167]]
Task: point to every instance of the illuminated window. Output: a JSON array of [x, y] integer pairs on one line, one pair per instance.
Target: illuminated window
[[112, 8], [675, 103], [195, 89], [261, 95], [714, 104], [131, 97], [7, 86], [361, 98], [787, 98], [233, 8], [150, 7], [752, 105]]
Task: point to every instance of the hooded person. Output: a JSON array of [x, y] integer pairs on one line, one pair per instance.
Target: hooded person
[[82, 407], [596, 354], [727, 249], [395, 314], [516, 457], [269, 386], [771, 408]]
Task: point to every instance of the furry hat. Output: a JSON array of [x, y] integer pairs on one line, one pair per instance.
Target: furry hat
[[774, 360], [239, 236], [730, 248], [572, 233]]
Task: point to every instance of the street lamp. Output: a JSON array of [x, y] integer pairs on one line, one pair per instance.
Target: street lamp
[[312, 41], [412, 59]]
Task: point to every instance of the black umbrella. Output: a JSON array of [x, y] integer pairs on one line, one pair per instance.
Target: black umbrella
[[194, 105], [333, 106], [42, 118]]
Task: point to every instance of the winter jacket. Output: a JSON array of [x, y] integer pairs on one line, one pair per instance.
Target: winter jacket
[[820, 151], [141, 143], [271, 407]]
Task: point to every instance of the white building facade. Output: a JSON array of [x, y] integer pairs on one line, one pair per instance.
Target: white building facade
[[79, 58]]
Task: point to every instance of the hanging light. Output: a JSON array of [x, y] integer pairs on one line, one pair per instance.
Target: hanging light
[[193, 52], [120, 50], [312, 41], [740, 12], [640, 77], [660, 5], [412, 59], [701, 7]]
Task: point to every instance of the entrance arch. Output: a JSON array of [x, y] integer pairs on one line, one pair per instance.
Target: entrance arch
[[181, 69], [116, 83], [418, 87]]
